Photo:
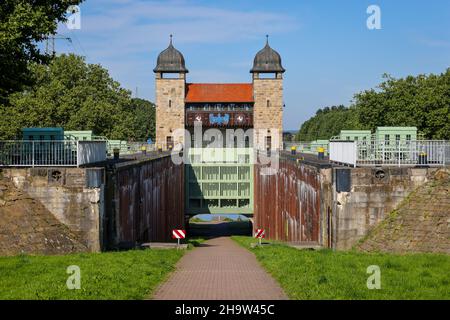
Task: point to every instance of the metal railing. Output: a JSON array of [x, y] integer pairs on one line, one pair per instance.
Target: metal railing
[[390, 153], [128, 148], [44, 153], [306, 147]]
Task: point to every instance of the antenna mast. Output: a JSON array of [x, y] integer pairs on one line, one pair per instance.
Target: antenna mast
[[50, 43]]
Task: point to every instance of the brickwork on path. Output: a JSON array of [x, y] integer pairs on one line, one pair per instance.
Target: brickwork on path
[[219, 270]]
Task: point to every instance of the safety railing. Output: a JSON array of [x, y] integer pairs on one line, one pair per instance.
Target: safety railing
[[45, 153], [306, 147], [390, 153]]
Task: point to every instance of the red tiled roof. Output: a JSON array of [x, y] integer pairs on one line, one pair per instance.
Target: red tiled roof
[[219, 92]]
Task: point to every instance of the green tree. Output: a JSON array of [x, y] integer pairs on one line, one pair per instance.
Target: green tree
[[23, 24], [326, 123], [72, 94], [422, 101], [143, 119]]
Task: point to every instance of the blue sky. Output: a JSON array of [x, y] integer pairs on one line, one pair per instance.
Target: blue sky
[[328, 51]]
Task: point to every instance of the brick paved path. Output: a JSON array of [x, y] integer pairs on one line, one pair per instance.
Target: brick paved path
[[219, 269]]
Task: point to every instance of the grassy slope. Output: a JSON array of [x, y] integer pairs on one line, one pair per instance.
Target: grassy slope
[[114, 275], [342, 275]]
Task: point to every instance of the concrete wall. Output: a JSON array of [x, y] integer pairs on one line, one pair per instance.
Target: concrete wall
[[371, 198], [73, 196], [300, 203]]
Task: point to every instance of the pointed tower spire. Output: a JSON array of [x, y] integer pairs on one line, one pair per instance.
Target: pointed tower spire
[[267, 60], [170, 60]]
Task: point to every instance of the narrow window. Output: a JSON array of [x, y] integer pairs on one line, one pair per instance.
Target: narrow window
[[169, 142], [408, 137], [269, 142], [397, 137], [170, 103], [268, 103]]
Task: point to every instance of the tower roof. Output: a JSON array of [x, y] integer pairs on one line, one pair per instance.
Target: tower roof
[[267, 60], [170, 60]]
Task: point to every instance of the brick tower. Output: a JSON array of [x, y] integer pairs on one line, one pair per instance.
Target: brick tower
[[170, 82], [268, 99]]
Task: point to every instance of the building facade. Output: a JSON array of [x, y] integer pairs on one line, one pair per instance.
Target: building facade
[[257, 105], [219, 126]]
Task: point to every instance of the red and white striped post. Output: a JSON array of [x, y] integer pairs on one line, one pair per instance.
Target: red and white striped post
[[260, 233], [178, 234]]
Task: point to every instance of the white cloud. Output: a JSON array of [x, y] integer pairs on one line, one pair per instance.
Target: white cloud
[[138, 26], [126, 36]]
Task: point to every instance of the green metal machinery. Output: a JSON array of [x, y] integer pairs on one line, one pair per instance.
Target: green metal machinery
[[219, 180], [355, 135], [395, 134]]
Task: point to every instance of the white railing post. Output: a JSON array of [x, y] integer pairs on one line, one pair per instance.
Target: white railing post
[[78, 153], [444, 149], [32, 154]]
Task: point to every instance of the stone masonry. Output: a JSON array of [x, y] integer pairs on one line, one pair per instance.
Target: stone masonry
[[371, 199], [170, 98], [27, 227], [420, 224], [268, 111], [57, 198]]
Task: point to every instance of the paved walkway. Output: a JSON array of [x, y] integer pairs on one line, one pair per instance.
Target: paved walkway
[[219, 270]]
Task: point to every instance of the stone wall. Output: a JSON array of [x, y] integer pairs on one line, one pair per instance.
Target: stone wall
[[268, 112], [69, 197], [371, 198], [420, 224], [170, 98]]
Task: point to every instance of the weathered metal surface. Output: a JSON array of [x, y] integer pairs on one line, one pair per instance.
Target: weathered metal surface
[[287, 203], [148, 201]]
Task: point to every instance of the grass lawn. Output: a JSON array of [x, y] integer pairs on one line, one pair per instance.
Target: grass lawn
[[114, 275], [325, 274]]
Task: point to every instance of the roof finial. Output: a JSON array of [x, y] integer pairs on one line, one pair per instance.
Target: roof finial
[[170, 39], [267, 39]]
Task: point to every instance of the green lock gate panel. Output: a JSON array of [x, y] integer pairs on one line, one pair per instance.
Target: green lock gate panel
[[219, 180]]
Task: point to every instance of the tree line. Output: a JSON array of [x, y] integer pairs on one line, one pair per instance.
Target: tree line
[[41, 90], [421, 101]]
